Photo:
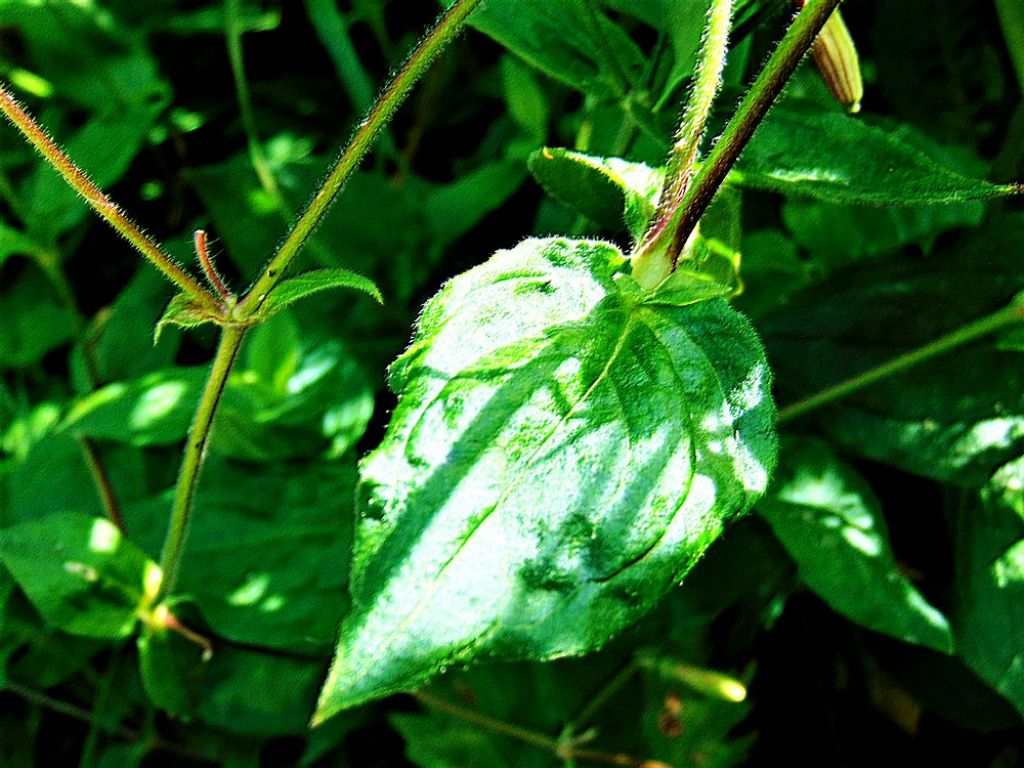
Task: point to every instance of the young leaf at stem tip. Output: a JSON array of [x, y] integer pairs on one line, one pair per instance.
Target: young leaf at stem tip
[[299, 287]]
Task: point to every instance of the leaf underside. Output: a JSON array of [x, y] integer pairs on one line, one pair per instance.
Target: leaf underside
[[564, 449]]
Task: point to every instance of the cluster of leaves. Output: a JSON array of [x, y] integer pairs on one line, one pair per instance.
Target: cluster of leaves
[[514, 510]]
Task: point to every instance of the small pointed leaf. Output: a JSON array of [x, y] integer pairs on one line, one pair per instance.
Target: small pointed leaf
[[183, 312], [299, 287], [560, 456]]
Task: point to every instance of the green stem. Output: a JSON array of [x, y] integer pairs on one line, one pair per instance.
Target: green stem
[[447, 27], [99, 201], [195, 454], [602, 696], [8, 195], [653, 265], [592, 18], [99, 711], [964, 335], [69, 710], [1011, 18], [751, 111], [565, 752], [233, 32], [74, 712]]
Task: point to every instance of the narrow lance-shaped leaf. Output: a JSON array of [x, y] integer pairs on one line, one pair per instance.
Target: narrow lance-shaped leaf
[[989, 608], [955, 418], [299, 287], [800, 150], [564, 448]]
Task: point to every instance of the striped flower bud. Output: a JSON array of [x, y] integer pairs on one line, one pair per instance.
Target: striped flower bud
[[836, 57]]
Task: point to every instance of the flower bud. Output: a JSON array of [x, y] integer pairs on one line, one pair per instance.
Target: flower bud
[[836, 57]]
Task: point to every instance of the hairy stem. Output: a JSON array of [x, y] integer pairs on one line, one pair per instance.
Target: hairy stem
[[447, 27], [653, 265], [964, 335], [98, 200], [751, 111], [195, 454]]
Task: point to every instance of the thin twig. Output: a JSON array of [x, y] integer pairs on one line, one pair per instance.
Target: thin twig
[[233, 33], [101, 479]]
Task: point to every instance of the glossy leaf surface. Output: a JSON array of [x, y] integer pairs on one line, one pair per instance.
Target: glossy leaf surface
[[801, 150], [831, 523], [80, 573], [564, 449], [990, 583]]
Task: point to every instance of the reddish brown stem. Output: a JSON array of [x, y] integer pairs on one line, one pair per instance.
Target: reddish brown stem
[[212, 276]]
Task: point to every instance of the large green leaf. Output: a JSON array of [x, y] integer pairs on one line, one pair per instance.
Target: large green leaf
[[955, 418], [801, 150], [80, 573], [830, 522], [154, 409], [53, 475], [838, 235], [990, 584], [239, 690], [564, 449], [439, 740]]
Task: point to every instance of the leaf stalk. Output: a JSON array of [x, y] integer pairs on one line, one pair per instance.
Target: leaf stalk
[[940, 346]]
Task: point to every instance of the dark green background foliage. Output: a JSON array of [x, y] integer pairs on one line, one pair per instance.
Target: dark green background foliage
[[873, 603]]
